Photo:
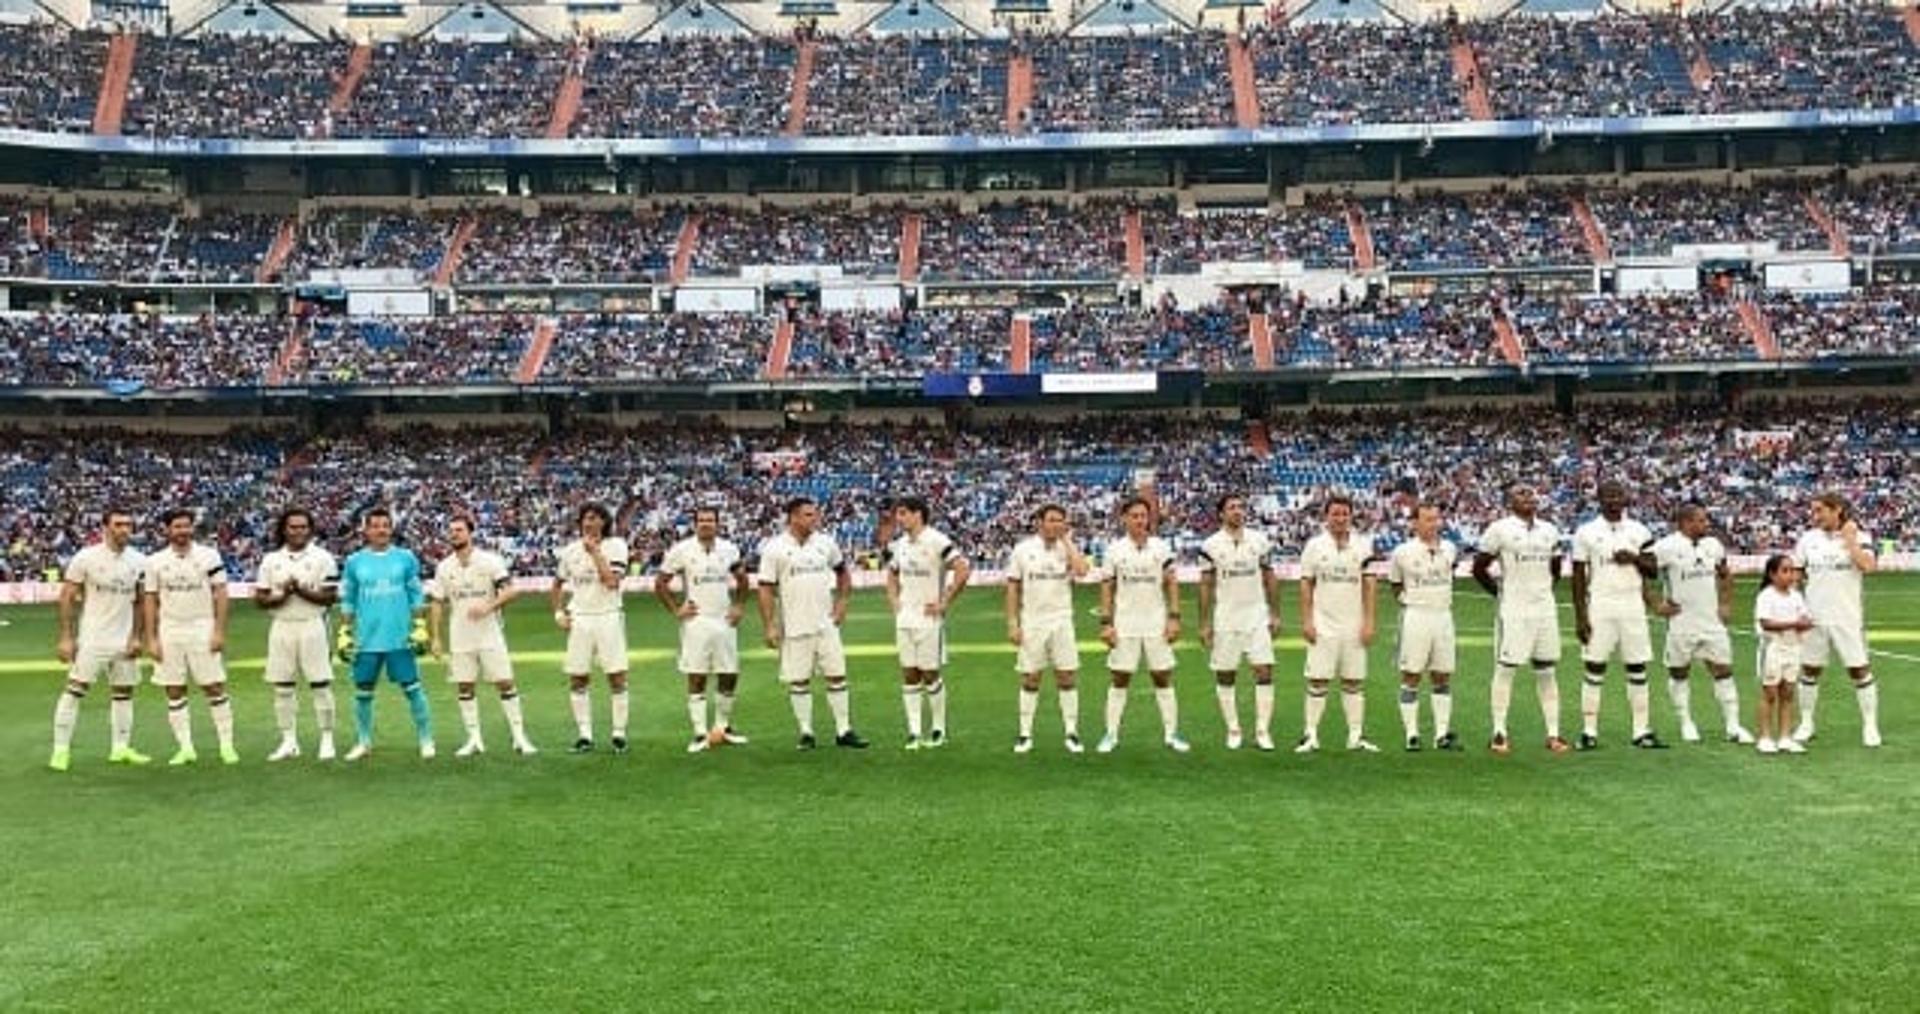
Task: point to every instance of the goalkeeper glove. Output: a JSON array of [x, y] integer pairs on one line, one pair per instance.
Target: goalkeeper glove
[[417, 638], [344, 644]]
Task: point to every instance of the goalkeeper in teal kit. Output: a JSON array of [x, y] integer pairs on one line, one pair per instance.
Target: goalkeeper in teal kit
[[384, 626]]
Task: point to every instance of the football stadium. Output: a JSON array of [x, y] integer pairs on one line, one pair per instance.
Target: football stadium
[[549, 505]]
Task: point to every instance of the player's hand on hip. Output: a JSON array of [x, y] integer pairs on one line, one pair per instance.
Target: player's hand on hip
[[1671, 609], [64, 649], [478, 611], [687, 611], [933, 610]]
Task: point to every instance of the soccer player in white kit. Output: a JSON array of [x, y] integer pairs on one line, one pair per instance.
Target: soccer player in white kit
[[1527, 623], [587, 605], [1039, 597], [804, 589], [1139, 621], [185, 604], [1240, 616], [468, 598], [926, 572], [299, 582], [713, 592], [104, 578], [1612, 562], [1421, 572], [1337, 602], [1834, 555], [1698, 604]]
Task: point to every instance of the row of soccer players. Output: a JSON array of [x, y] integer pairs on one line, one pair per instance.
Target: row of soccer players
[[389, 615]]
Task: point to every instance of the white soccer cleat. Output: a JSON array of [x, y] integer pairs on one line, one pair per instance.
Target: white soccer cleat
[[1307, 744], [1263, 741], [1792, 746], [1177, 743], [1768, 746], [1689, 732], [1362, 746], [1108, 744], [326, 748], [1073, 743], [525, 748], [1739, 734], [1803, 733], [1023, 745], [470, 748], [1870, 736], [732, 738], [697, 744], [289, 749], [427, 750], [360, 751], [1233, 739]]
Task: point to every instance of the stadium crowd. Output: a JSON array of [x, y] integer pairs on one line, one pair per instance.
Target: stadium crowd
[[1878, 322], [570, 245], [1025, 240], [908, 85], [1319, 74], [688, 86], [1646, 327], [1129, 82], [216, 85], [865, 242], [1651, 220], [1426, 231], [1315, 234]]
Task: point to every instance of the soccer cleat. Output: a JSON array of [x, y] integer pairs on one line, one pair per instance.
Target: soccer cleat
[[182, 757], [1648, 741], [1362, 746], [1502, 747], [581, 745], [850, 740], [470, 748], [697, 745], [1074, 745], [128, 755], [1263, 741], [1307, 744], [1447, 742], [1792, 746], [1557, 745], [525, 748], [913, 743], [619, 744], [1689, 733], [1413, 744], [1803, 733], [1023, 745], [325, 752], [427, 750], [1586, 742], [228, 755], [806, 742], [360, 751], [1739, 735], [1870, 737], [1177, 743], [937, 740], [1768, 746], [1108, 744], [61, 760], [1233, 739], [288, 750], [732, 738]]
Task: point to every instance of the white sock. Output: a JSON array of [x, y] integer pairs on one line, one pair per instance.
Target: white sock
[[1639, 705], [1315, 707], [1590, 697], [1070, 711], [910, 697], [1029, 705], [323, 710], [286, 712], [1547, 686], [120, 717], [1229, 705], [181, 722], [937, 704], [802, 703], [697, 713], [1263, 708], [723, 709], [582, 705], [1807, 697], [1680, 692], [618, 702], [1868, 693], [470, 717], [516, 717], [1116, 709], [1410, 710], [66, 713], [1501, 695], [222, 710], [1354, 704], [1727, 693], [1169, 709], [842, 707], [1441, 697]]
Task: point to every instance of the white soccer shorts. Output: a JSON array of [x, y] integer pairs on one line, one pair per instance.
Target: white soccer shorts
[[1779, 664], [1624, 634], [922, 648], [188, 659], [1850, 643], [1231, 647], [597, 639], [298, 649], [1700, 644], [1337, 657], [1048, 647], [1128, 652], [90, 662], [1523, 640], [1427, 642], [493, 665], [709, 646], [822, 654]]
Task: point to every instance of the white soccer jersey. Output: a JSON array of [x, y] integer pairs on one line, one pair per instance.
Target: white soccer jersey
[[111, 584], [803, 575], [1337, 572], [1239, 568], [1045, 574], [586, 596], [922, 568], [1833, 582], [1424, 573], [185, 584], [1526, 553], [1788, 607], [464, 584], [706, 573], [1613, 589], [311, 568], [1139, 598], [1690, 570]]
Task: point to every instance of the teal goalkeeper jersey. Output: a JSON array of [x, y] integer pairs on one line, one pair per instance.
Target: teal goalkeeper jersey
[[379, 592]]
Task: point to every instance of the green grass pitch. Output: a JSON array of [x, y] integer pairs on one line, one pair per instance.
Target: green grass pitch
[[755, 878]]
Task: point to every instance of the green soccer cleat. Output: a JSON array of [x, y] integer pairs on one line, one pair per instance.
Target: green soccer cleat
[[128, 755], [228, 755], [182, 757], [61, 760]]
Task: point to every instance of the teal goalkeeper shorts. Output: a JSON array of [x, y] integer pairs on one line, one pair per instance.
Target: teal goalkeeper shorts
[[401, 667]]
